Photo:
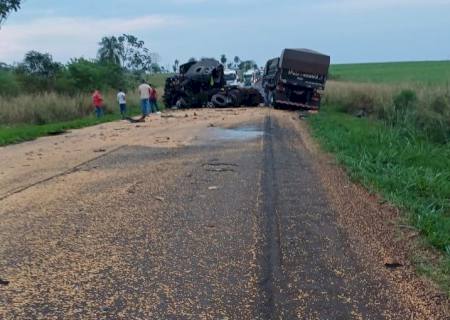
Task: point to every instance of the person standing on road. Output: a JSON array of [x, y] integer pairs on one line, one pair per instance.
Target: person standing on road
[[97, 101], [154, 100], [122, 100], [144, 93]]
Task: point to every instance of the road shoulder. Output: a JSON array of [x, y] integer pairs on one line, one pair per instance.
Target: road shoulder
[[373, 228]]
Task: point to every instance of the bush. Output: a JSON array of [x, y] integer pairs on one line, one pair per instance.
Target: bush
[[9, 86], [88, 75], [421, 111], [434, 119], [405, 101], [441, 105]]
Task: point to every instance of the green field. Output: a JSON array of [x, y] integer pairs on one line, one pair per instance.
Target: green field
[[430, 73]]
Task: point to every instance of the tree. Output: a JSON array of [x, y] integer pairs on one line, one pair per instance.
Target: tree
[[135, 56], [110, 50], [155, 68], [39, 64], [38, 70], [247, 65], [192, 59], [223, 59], [7, 6], [5, 67], [9, 86], [236, 60], [87, 75]]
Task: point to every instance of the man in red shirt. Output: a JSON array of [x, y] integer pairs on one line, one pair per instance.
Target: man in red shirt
[[97, 101], [153, 99]]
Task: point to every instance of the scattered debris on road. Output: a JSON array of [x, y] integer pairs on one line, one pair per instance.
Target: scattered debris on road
[[393, 265]]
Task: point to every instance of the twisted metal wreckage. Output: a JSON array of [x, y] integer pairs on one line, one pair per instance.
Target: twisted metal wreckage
[[202, 84]]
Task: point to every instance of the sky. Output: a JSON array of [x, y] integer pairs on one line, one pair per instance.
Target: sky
[[350, 31]]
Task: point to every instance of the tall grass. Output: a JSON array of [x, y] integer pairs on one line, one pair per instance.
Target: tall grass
[[417, 110], [51, 107], [48, 108], [409, 172]]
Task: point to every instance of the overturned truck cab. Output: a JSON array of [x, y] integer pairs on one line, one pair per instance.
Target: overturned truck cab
[[296, 79], [203, 84], [195, 85]]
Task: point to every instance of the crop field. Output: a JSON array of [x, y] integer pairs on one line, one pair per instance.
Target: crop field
[[429, 73]]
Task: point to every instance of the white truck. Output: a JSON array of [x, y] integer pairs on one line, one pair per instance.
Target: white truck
[[251, 77], [231, 77]]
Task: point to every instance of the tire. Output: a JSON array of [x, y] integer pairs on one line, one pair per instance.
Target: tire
[[235, 97], [220, 100], [254, 98]]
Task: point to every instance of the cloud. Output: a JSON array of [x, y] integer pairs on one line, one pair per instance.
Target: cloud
[[367, 5], [68, 37]]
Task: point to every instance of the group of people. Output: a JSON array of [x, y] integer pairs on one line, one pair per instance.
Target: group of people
[[148, 96]]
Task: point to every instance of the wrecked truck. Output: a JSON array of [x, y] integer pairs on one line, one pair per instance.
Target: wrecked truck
[[296, 79], [203, 84], [195, 85]]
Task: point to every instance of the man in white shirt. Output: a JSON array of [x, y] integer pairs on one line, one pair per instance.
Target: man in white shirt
[[144, 92], [122, 100]]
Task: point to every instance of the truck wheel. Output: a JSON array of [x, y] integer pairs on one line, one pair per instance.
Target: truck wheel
[[235, 99], [219, 100]]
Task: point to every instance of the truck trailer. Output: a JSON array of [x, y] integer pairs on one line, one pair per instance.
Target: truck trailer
[[296, 79]]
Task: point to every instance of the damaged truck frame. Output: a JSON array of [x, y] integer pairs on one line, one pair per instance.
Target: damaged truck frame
[[203, 84], [296, 79]]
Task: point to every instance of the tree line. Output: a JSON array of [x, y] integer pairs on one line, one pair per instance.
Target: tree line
[[236, 63], [121, 62]]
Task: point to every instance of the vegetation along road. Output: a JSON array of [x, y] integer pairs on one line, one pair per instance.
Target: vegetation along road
[[199, 214]]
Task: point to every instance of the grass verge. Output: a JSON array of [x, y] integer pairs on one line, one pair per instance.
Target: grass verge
[[408, 171], [28, 117], [26, 132]]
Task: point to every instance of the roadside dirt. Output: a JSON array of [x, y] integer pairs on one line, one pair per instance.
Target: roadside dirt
[[181, 218]]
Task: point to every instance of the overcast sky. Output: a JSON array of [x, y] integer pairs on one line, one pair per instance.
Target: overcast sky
[[348, 30]]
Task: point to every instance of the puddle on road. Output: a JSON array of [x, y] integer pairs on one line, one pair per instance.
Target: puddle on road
[[242, 133]]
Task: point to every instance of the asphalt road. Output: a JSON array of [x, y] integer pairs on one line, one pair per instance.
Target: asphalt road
[[235, 225]]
